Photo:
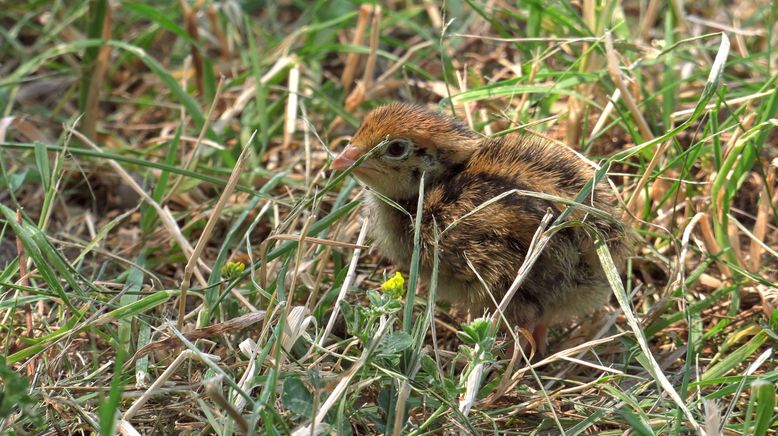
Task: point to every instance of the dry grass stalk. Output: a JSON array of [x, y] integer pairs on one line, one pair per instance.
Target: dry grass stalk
[[659, 188], [213, 331], [249, 92], [324, 255], [575, 110], [741, 47], [214, 392], [593, 365], [161, 139], [472, 385], [242, 300], [350, 276], [633, 206], [249, 349], [731, 102], [196, 147], [97, 77], [344, 383], [538, 243], [24, 280], [386, 75], [710, 281], [769, 297], [164, 377], [25, 128], [363, 88], [589, 395], [734, 240], [375, 32], [352, 102], [525, 96], [433, 13], [352, 60], [484, 115], [680, 14], [615, 73], [190, 24], [712, 417], [307, 128], [536, 246], [763, 215], [313, 296], [209, 226], [753, 239], [649, 18], [566, 40], [606, 327], [402, 399], [744, 126], [218, 32], [687, 234], [462, 80], [290, 117], [291, 326], [603, 118], [712, 245], [165, 216], [518, 353], [516, 377], [297, 322], [589, 12], [724, 27], [591, 61], [320, 241], [124, 428]]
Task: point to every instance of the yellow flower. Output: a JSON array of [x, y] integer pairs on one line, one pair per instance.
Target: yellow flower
[[394, 286], [233, 269]]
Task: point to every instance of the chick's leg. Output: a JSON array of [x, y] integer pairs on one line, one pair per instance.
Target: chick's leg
[[540, 335]]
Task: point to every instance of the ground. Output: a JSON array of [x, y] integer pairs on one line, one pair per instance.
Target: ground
[[165, 160]]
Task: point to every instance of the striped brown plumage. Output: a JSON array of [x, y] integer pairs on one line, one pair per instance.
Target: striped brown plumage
[[462, 170]]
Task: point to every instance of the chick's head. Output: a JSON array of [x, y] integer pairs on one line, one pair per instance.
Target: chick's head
[[402, 142]]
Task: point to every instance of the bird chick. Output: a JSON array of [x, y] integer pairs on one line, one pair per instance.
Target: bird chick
[[461, 171]]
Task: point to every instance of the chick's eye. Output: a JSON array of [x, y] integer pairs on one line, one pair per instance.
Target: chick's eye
[[397, 149]]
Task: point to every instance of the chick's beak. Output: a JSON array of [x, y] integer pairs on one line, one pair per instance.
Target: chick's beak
[[346, 158]]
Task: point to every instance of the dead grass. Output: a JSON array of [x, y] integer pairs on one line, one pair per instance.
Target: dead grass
[[187, 263]]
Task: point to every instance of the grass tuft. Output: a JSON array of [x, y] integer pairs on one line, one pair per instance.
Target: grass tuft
[[177, 257]]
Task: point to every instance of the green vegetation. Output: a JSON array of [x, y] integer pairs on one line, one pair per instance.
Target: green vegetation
[[167, 159]]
